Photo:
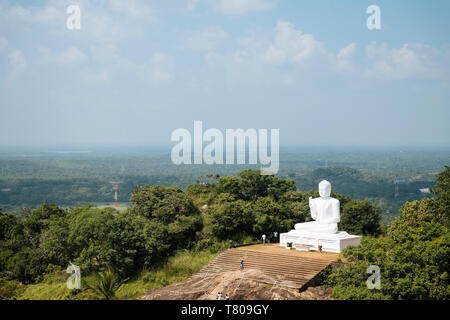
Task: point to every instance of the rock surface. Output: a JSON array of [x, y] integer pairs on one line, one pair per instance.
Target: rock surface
[[238, 285]]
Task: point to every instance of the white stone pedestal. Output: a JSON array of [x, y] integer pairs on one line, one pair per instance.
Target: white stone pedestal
[[332, 242]]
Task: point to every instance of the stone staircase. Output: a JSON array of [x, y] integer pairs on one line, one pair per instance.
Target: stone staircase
[[283, 269]]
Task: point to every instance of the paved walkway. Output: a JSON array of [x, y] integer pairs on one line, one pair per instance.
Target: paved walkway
[[275, 248]]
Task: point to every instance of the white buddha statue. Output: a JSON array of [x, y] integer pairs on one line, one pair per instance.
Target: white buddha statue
[[322, 233], [324, 210]]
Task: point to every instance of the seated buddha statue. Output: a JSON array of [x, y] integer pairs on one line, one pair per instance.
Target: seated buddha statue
[[324, 211]]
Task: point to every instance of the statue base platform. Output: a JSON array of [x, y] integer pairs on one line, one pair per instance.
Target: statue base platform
[[330, 242]]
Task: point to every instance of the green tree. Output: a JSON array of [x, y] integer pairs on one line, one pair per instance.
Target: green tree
[[106, 284], [99, 238], [230, 185], [227, 219], [361, 217], [251, 184], [271, 216], [7, 224], [413, 257], [171, 212], [9, 289]]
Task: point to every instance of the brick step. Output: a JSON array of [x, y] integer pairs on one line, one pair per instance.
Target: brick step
[[275, 255], [289, 270], [279, 264], [275, 258], [299, 260], [268, 263], [275, 268], [291, 276]]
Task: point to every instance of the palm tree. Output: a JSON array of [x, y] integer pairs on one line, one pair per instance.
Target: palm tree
[[106, 284]]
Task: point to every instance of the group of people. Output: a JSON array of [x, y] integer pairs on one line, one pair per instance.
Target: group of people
[[219, 296], [273, 235]]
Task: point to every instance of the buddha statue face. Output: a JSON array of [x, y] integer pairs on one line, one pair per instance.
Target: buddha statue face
[[324, 189]]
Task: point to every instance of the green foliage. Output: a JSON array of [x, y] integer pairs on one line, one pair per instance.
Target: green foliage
[[163, 203], [442, 188], [99, 238], [7, 224], [230, 185], [360, 217], [106, 284], [229, 218], [250, 184], [10, 289], [161, 221], [413, 257], [172, 214], [202, 193], [253, 204], [91, 238], [178, 268], [271, 216]]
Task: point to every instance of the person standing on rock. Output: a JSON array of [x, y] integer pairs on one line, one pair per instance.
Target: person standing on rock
[[227, 297], [242, 264], [264, 238], [219, 296]]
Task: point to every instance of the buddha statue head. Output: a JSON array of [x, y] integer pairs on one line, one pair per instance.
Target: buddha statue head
[[324, 189]]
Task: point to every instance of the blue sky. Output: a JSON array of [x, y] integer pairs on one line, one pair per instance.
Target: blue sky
[[137, 70]]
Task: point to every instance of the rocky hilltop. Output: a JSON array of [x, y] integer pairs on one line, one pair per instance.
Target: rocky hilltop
[[238, 285]]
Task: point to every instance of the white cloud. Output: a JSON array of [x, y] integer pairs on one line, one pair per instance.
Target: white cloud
[[97, 77], [72, 55], [240, 7], [274, 55], [161, 68], [281, 57], [410, 61], [347, 52], [3, 44], [50, 16], [290, 45], [192, 4], [135, 9], [374, 50], [105, 21], [17, 65], [17, 61], [20, 12], [343, 61], [19, 16], [208, 39]]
